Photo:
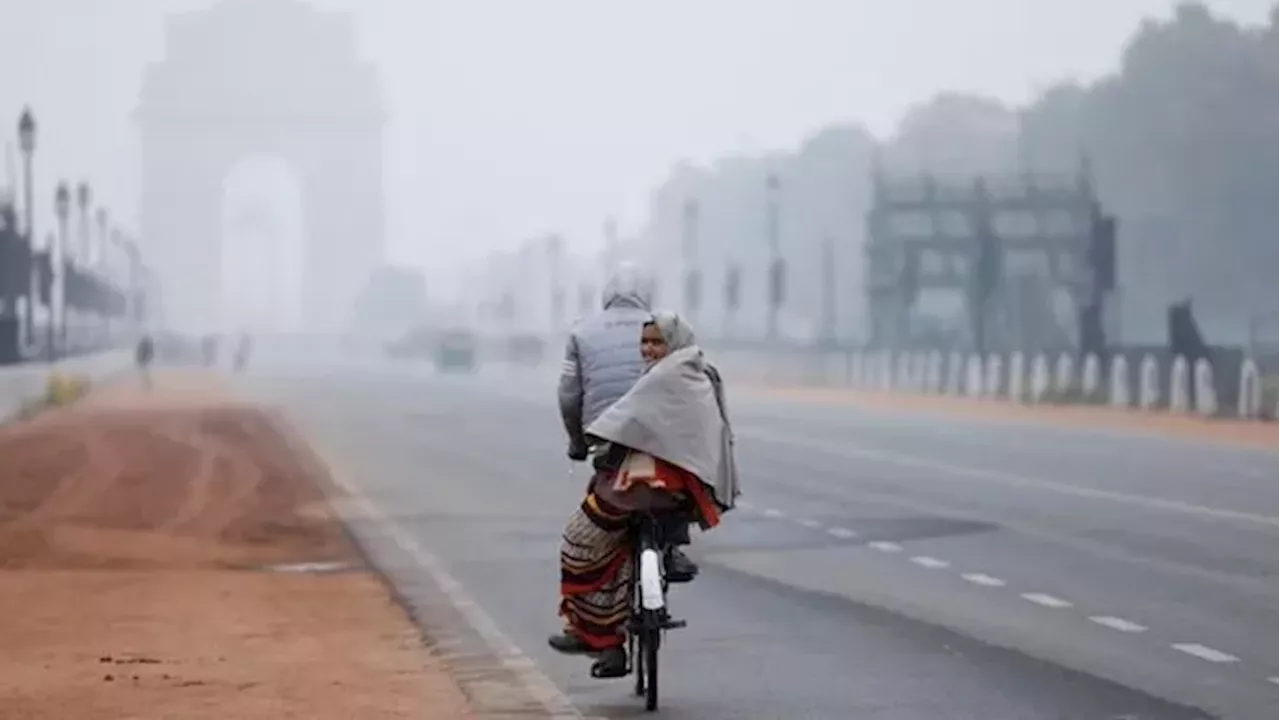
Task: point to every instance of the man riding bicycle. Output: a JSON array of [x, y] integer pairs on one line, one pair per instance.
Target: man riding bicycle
[[602, 362]]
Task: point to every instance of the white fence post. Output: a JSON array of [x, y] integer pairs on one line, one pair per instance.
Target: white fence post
[[955, 373], [1090, 376], [995, 364], [1040, 378], [1148, 382], [1206, 391], [1064, 376], [1179, 385], [973, 376], [1119, 391], [1249, 404], [1017, 376], [933, 376]]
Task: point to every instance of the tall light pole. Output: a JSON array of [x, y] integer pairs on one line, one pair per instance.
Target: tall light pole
[[777, 270], [27, 144], [688, 254], [61, 208], [102, 268], [84, 197]]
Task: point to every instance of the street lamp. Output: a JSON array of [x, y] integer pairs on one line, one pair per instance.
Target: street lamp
[[84, 197], [101, 254], [62, 209], [27, 144], [776, 269]]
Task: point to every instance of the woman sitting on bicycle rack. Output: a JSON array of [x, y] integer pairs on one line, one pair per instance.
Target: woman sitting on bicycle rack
[[668, 447]]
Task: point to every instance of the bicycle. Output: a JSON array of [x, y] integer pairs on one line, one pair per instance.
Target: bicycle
[[649, 615]]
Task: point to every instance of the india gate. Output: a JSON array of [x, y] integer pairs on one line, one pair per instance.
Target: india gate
[[253, 78]]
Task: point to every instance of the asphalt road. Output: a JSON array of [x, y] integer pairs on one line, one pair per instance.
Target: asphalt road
[[884, 565]]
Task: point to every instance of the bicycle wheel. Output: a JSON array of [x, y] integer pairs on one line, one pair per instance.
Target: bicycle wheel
[[649, 647]]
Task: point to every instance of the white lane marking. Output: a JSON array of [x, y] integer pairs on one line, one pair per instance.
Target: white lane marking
[[1120, 624], [843, 533], [1046, 600], [1205, 653], [984, 580], [1275, 680], [930, 562], [546, 692], [810, 523], [773, 513], [886, 547], [744, 504], [1012, 479]]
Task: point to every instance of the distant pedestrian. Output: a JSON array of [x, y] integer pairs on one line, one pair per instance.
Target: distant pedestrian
[[143, 355]]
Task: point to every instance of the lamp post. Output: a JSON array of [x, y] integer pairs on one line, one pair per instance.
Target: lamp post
[[776, 270], [62, 209], [102, 269], [27, 144], [84, 197]]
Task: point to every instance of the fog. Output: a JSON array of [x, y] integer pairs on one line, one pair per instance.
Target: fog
[[510, 122]]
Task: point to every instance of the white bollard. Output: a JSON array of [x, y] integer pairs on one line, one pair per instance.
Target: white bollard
[[973, 376], [995, 365], [1206, 391], [919, 371], [1090, 376], [933, 375], [1249, 404], [1179, 385], [1064, 376], [955, 373], [1040, 378], [1119, 390], [885, 366], [1017, 376], [1148, 382]]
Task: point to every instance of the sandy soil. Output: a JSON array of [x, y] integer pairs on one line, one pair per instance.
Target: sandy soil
[[136, 530], [1234, 432]]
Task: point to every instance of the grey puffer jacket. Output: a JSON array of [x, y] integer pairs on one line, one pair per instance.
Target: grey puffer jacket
[[602, 358]]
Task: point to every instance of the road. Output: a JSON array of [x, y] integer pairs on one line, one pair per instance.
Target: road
[[884, 564]]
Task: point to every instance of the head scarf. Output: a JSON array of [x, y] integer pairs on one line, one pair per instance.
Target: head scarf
[[675, 330]]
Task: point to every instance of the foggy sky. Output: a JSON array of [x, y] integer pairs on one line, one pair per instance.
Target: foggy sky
[[513, 118]]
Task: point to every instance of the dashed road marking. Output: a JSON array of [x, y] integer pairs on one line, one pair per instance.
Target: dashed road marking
[[885, 547], [773, 513], [984, 580], [1120, 624], [930, 562], [1275, 680], [1046, 600], [810, 523], [1205, 653], [843, 533]]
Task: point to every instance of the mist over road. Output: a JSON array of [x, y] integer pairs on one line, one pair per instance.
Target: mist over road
[[884, 564]]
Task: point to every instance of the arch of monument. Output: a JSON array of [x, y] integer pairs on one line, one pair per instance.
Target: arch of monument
[[261, 77]]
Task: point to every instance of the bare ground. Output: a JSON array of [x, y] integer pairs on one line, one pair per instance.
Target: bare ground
[[136, 533]]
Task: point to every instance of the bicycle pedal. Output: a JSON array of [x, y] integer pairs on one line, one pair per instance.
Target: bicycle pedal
[[674, 624], [679, 578]]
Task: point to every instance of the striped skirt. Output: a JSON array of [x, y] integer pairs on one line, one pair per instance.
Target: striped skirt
[[595, 574]]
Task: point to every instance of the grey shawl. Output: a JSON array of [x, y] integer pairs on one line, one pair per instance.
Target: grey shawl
[[676, 412]]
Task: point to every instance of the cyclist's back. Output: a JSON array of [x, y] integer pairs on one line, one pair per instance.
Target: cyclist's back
[[602, 359]]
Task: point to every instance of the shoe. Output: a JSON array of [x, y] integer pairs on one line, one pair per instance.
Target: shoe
[[680, 568], [612, 663], [569, 644]]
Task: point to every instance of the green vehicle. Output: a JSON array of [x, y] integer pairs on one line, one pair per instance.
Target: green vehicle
[[455, 351]]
